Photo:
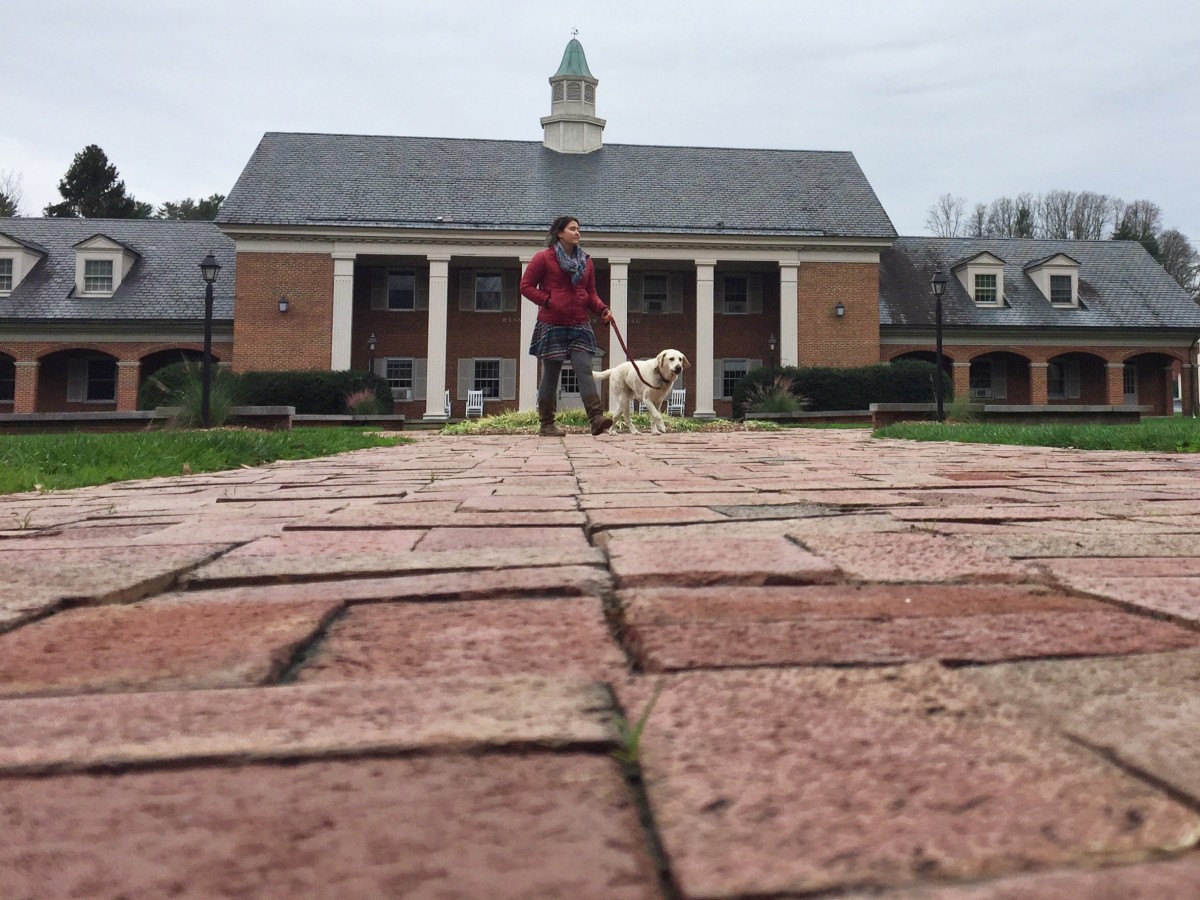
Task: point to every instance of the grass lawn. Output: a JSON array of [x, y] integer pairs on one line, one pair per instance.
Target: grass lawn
[[60, 461], [1163, 435], [574, 421]]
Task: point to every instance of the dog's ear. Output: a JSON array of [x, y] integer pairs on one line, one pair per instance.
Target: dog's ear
[[661, 360], [686, 364]]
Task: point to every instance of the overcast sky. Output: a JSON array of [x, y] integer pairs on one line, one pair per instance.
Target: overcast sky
[[979, 99]]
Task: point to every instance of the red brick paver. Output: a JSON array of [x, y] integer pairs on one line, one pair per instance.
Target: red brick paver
[[895, 669]]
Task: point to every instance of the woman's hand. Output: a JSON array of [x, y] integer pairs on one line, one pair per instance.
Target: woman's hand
[[606, 317]]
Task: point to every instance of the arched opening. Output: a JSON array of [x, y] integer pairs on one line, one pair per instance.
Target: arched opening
[[1077, 378], [557, 95], [574, 90], [1147, 380], [999, 377], [77, 380], [8, 382]]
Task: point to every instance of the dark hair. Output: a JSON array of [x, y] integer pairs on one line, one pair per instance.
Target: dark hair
[[556, 226]]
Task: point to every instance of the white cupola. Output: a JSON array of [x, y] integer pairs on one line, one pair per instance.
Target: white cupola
[[572, 126]]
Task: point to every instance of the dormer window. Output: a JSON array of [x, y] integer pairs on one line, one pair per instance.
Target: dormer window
[[982, 276], [985, 289], [17, 258], [101, 264], [97, 276], [1057, 277]]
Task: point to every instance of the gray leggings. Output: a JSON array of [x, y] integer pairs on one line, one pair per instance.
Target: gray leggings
[[581, 362]]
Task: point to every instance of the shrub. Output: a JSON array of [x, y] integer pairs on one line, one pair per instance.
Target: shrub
[[314, 392], [826, 388], [363, 403], [775, 396]]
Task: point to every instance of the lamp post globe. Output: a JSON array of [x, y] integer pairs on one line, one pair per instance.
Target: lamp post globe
[[938, 285], [209, 268]]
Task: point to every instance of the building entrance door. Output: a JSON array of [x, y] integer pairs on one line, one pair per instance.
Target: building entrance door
[[1130, 380]]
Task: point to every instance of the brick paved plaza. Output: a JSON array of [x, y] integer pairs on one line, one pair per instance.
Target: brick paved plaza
[[878, 668]]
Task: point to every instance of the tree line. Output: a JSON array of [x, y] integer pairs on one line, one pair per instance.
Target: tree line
[[93, 189], [1071, 215]]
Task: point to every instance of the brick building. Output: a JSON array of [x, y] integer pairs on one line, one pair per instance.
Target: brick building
[[735, 257]]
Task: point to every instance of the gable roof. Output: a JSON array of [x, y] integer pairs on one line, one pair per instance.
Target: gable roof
[[452, 183], [163, 284], [1120, 286]]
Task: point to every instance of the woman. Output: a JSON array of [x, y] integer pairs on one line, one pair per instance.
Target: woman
[[561, 280]]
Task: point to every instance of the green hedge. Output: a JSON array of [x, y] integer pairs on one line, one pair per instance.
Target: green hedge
[[311, 393], [824, 388], [314, 392]]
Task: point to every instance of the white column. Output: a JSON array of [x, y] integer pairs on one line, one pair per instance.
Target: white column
[[343, 310], [528, 374], [435, 368], [618, 303], [789, 329], [704, 339]]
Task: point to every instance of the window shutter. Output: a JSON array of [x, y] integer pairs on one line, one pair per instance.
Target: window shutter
[[1071, 376], [466, 377], [77, 376], [718, 378], [999, 380], [508, 379], [379, 280], [422, 280], [466, 295], [509, 303], [754, 290], [419, 379], [381, 367], [675, 292], [719, 293]]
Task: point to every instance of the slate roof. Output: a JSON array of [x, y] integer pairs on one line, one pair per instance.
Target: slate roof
[[409, 182], [1120, 286], [164, 283]]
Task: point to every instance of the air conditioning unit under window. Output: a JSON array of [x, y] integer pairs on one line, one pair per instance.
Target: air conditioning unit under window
[[401, 393], [981, 393]]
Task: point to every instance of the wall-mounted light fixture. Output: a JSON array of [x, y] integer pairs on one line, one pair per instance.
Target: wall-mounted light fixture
[[840, 309], [283, 303], [372, 341]]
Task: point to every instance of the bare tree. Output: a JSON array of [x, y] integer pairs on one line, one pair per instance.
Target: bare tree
[[1180, 260], [977, 225], [1138, 220], [945, 218], [1092, 216], [12, 193], [1054, 213]]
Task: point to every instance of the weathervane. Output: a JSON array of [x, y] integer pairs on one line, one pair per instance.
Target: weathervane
[[574, 32]]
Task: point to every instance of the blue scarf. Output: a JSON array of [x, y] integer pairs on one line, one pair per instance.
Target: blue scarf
[[575, 264]]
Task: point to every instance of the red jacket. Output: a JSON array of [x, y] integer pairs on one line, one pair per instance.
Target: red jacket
[[562, 303]]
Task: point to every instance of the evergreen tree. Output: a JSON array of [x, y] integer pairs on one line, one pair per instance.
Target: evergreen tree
[[188, 208], [92, 189]]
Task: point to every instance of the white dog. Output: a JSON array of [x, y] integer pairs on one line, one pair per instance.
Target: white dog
[[625, 386]]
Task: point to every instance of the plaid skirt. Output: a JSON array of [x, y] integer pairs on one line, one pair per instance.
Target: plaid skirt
[[560, 341]]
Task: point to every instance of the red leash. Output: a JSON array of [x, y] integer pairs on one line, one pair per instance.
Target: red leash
[[620, 340]]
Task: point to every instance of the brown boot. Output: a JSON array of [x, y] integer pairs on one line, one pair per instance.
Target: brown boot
[[546, 414], [596, 418]]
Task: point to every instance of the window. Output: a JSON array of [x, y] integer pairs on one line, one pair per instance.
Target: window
[[8, 381], [97, 276], [981, 380], [487, 378], [732, 372], [489, 293], [91, 380], [569, 381], [6, 275], [399, 374], [654, 293], [402, 291], [1129, 381], [1060, 289], [737, 295], [985, 289], [1062, 379]]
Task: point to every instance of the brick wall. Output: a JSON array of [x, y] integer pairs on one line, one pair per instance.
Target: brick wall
[[266, 339], [825, 338]]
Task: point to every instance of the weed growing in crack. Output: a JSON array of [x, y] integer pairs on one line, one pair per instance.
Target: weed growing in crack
[[630, 736]]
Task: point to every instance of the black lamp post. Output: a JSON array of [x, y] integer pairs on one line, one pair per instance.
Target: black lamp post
[[371, 342], [771, 346], [938, 284], [209, 269]]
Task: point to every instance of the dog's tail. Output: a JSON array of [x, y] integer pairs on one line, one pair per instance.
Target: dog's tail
[[600, 376]]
